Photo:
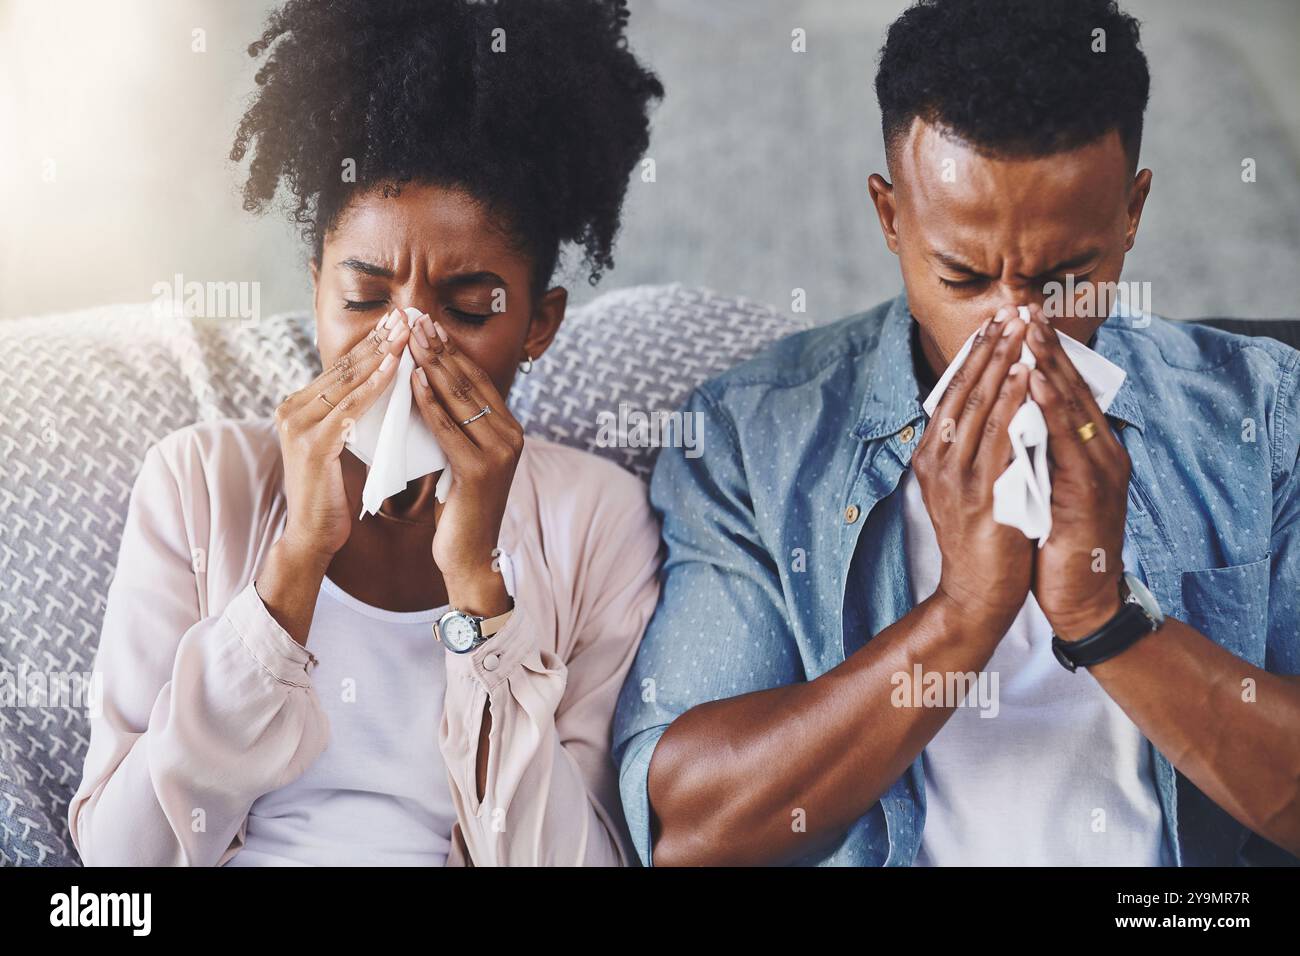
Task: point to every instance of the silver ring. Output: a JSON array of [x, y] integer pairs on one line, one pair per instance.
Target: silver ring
[[473, 418]]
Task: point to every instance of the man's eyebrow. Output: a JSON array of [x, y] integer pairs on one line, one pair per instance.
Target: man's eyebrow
[[1067, 264], [461, 279], [955, 262], [369, 268]]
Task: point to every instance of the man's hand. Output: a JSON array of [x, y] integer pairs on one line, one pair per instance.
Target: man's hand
[[986, 565], [1076, 573]]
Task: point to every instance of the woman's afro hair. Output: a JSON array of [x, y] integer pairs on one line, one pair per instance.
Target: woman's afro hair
[[536, 108]]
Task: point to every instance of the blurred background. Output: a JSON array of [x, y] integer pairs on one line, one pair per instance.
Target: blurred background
[[114, 133]]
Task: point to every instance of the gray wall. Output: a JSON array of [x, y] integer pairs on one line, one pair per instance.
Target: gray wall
[[762, 155]]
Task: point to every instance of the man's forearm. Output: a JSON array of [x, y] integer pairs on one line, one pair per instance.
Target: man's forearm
[[731, 781], [1238, 743]]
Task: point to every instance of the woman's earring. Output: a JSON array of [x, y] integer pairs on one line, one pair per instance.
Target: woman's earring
[[526, 365]]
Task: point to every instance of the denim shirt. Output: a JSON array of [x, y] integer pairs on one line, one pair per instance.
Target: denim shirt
[[803, 447]]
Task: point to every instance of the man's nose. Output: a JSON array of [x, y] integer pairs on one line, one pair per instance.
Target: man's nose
[[1021, 293]]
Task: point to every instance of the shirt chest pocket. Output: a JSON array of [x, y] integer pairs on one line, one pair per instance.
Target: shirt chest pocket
[[1230, 606]]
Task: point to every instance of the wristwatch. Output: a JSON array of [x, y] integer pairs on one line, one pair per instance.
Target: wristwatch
[[461, 632], [1137, 617]]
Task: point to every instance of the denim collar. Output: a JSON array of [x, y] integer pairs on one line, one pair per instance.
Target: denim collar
[[893, 399]]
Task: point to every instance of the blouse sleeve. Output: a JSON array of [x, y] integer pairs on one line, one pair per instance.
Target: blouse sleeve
[[195, 718], [551, 791]]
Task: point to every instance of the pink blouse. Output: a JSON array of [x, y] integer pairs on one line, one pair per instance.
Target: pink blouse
[[208, 702]]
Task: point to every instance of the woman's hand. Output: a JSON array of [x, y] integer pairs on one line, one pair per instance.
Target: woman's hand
[[986, 565], [450, 388], [312, 437]]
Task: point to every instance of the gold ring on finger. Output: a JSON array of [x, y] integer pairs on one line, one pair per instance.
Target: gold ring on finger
[[322, 397], [1087, 432]]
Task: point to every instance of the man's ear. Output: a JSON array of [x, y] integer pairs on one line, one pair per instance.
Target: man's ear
[[882, 197], [548, 313], [1137, 199]]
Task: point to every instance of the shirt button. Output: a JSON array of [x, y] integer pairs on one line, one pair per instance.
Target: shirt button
[[851, 514], [490, 662], [907, 434]]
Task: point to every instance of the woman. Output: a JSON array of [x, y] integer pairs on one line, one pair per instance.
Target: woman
[[274, 692]]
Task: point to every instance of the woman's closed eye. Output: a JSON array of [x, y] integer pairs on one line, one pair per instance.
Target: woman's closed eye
[[363, 305], [468, 317], [460, 315]]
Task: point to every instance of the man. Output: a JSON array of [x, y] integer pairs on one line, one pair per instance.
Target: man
[[834, 548]]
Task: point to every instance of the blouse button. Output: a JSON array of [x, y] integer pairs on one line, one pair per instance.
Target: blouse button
[[851, 514], [490, 662]]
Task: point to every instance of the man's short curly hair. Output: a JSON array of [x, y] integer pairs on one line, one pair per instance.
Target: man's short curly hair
[[544, 133], [1015, 77]]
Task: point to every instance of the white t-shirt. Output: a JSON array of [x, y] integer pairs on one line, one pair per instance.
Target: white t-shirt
[[1058, 777], [378, 794]]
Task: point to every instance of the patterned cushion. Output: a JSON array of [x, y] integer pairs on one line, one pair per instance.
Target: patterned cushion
[[85, 394]]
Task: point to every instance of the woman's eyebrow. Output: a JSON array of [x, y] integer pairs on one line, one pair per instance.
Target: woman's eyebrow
[[461, 279], [368, 268]]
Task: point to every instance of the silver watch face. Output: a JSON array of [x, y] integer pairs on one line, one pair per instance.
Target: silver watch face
[[459, 631], [1142, 596]]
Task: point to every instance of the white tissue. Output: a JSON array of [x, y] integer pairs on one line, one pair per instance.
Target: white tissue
[[1022, 495], [392, 438]]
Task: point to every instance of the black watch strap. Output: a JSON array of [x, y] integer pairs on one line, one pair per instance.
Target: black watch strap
[[1121, 632]]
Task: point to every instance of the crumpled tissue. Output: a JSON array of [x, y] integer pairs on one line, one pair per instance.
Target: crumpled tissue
[[394, 441]]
